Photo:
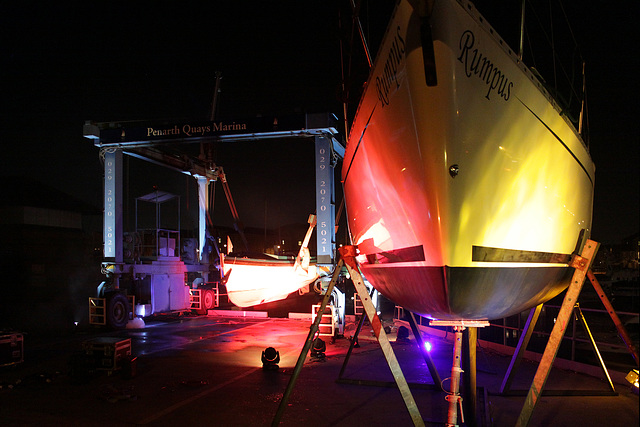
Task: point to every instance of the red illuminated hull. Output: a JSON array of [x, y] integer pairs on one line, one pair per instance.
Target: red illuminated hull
[[465, 198]]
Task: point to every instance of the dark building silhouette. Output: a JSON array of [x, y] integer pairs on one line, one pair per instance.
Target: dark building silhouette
[[51, 248]]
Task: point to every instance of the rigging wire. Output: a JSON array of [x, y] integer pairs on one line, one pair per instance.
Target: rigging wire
[[356, 24], [564, 80], [553, 50]]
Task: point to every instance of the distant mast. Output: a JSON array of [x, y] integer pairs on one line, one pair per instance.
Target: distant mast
[[521, 31], [216, 90], [584, 91]]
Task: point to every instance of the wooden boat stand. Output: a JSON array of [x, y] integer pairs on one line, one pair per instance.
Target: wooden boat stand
[[347, 259], [453, 396], [582, 265]]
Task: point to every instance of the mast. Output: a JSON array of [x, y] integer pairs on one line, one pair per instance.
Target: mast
[[356, 20], [216, 90], [521, 30], [356, 23], [584, 91]]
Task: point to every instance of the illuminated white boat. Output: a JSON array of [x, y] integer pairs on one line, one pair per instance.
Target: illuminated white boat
[[467, 196], [251, 281]]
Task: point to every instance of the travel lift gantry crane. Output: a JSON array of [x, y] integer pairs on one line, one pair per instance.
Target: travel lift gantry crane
[[160, 284]]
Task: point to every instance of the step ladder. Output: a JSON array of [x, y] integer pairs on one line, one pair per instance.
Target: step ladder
[[195, 298], [327, 325], [97, 311], [358, 308]]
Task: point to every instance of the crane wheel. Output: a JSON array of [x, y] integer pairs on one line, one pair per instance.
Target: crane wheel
[[207, 301], [117, 311]]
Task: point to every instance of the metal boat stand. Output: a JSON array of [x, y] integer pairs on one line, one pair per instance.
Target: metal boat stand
[[453, 397], [437, 383], [582, 264]]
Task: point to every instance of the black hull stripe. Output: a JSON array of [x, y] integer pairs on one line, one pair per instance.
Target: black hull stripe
[[559, 140], [486, 254], [478, 254]]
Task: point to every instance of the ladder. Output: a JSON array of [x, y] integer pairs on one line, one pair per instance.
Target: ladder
[[327, 325], [97, 311]]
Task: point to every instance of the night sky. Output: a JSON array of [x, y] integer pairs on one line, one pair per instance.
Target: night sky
[[63, 63]]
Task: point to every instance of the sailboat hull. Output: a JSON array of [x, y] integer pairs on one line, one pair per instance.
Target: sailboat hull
[[465, 198], [468, 292]]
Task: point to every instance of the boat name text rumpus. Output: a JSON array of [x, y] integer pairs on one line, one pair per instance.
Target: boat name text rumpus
[[477, 63], [390, 73]]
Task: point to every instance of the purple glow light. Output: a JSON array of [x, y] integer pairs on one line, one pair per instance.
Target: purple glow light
[[427, 346]]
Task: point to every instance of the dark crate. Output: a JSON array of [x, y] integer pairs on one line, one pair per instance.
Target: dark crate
[[11, 348], [107, 353]]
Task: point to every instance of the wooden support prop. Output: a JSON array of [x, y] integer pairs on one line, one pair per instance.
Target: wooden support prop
[[578, 312], [581, 264], [354, 342], [616, 320], [534, 314], [307, 346], [348, 255]]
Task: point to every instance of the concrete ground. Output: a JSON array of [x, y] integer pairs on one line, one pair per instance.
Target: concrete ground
[[207, 371]]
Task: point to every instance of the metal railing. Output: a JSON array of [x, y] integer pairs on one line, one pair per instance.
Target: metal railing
[[507, 331], [158, 242]]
